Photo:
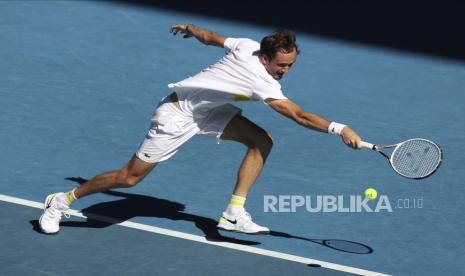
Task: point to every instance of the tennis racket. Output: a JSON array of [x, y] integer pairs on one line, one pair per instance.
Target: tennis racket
[[414, 158]]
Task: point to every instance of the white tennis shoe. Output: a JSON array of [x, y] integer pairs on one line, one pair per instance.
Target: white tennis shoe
[[241, 223], [54, 208]]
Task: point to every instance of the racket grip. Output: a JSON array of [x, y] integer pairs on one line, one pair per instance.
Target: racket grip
[[367, 145]]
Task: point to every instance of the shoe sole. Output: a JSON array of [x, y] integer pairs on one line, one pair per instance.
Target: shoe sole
[[237, 231]]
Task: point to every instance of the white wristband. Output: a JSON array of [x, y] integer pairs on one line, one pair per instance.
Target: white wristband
[[335, 128]]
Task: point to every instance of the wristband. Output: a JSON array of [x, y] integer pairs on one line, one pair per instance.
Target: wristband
[[335, 128]]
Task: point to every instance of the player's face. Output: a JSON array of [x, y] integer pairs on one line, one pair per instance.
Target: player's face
[[280, 64]]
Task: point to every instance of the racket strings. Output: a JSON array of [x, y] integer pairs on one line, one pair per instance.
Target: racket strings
[[416, 158]]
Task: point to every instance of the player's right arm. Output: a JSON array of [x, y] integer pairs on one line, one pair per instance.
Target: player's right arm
[[311, 120], [205, 36]]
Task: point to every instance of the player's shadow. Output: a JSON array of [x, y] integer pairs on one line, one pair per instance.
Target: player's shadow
[[132, 205]]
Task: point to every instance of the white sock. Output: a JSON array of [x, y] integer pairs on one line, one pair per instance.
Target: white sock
[[62, 199], [70, 196], [236, 205]]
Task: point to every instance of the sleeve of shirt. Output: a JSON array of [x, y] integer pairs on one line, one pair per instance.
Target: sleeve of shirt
[[264, 90], [232, 44]]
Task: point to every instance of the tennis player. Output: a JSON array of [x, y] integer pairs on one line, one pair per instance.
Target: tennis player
[[202, 105]]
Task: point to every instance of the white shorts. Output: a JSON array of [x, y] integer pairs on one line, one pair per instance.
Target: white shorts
[[171, 127]]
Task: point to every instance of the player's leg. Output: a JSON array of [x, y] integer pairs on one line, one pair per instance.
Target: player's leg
[[57, 204], [131, 174], [161, 142], [259, 144]]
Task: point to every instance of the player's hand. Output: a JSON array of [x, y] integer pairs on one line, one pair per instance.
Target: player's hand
[[183, 28], [350, 138]]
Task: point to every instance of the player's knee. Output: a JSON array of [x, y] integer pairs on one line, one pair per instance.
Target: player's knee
[[128, 181], [268, 141], [271, 137], [131, 181], [263, 141]]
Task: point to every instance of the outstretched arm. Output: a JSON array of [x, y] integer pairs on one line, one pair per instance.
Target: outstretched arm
[[204, 36], [311, 120]]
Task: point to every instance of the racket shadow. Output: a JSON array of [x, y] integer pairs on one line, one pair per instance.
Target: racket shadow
[[335, 244], [105, 214]]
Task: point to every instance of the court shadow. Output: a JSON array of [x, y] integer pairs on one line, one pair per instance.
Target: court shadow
[[335, 244], [35, 225], [424, 27], [105, 214]]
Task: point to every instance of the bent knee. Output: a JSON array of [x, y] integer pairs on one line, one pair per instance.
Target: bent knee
[[271, 137], [128, 181], [268, 140], [263, 140]]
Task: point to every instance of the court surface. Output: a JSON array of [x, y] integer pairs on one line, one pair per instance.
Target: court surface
[[78, 84]]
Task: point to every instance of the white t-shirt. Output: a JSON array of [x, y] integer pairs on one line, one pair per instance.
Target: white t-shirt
[[238, 76]]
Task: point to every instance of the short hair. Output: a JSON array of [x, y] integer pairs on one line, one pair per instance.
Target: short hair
[[282, 40]]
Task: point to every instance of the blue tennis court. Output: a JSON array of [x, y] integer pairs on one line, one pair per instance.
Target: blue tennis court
[[78, 83]]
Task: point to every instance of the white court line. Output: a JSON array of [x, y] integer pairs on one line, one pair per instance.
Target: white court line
[[201, 239]]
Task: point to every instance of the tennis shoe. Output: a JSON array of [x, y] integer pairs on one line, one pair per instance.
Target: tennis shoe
[[242, 223], [54, 208]]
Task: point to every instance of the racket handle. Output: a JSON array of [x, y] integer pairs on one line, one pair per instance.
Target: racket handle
[[367, 145]]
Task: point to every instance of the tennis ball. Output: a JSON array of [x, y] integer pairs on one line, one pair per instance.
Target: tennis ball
[[371, 193]]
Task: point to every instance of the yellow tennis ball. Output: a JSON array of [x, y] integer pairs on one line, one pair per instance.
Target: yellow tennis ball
[[371, 193]]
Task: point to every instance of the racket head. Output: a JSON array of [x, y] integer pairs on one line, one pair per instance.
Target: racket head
[[416, 158]]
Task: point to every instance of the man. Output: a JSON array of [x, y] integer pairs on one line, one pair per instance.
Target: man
[[201, 105]]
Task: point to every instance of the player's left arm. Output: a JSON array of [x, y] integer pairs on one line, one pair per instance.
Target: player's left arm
[[311, 120], [205, 36]]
